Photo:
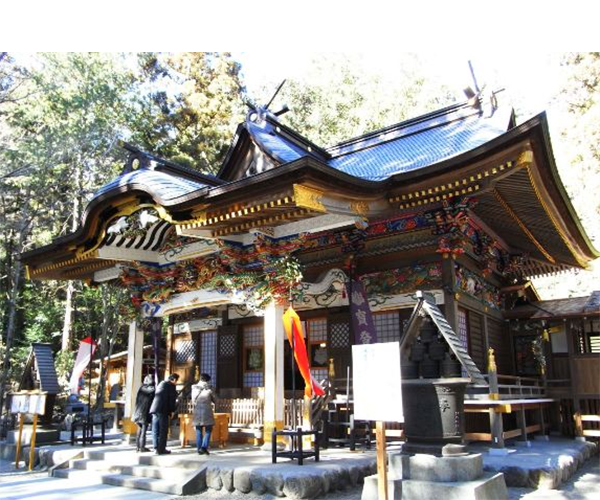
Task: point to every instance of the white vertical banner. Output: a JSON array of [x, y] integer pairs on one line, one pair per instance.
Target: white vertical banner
[[86, 350], [377, 382]]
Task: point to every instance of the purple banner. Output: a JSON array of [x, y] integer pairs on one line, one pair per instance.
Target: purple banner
[[362, 320]]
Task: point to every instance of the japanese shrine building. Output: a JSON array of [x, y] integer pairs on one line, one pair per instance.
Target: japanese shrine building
[[461, 202]]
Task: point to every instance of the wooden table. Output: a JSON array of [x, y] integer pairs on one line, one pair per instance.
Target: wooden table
[[218, 437]]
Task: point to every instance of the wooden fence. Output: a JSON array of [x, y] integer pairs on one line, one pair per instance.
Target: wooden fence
[[249, 413]]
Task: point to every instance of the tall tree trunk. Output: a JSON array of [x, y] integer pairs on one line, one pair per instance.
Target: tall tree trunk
[[13, 301], [68, 318], [110, 328]]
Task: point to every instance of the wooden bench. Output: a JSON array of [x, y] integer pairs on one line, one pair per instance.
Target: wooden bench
[[583, 420], [497, 408]]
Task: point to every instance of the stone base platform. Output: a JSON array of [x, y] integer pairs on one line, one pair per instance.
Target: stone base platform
[[423, 477], [544, 464], [487, 487]]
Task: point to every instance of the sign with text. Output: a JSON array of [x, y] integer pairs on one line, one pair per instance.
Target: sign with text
[[377, 382], [34, 404]]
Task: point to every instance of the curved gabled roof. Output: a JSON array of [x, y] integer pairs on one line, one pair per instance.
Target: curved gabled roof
[[408, 146], [416, 146], [161, 186]]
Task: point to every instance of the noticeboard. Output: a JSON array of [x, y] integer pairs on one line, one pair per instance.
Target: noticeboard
[[377, 382], [27, 402]]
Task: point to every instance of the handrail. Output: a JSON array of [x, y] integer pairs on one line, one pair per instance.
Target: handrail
[[513, 386]]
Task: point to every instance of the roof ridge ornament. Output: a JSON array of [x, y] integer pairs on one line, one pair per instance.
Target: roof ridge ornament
[[258, 113]]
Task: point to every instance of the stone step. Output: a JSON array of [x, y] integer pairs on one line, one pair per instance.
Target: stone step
[[127, 455], [144, 483], [79, 475], [184, 462], [173, 473], [152, 478]]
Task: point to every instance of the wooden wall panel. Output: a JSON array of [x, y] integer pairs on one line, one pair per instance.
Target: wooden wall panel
[[587, 374], [476, 340], [499, 340]]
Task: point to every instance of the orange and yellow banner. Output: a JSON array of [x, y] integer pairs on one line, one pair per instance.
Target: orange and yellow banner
[[293, 330]]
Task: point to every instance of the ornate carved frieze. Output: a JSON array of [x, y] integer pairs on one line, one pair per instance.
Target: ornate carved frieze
[[477, 287]]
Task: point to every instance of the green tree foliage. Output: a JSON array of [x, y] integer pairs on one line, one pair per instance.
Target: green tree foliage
[[192, 105], [60, 118], [575, 120], [339, 97], [59, 125]]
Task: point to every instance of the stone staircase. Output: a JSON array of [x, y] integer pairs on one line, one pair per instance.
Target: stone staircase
[[171, 474]]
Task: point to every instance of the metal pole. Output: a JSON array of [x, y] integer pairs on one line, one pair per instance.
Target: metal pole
[[293, 377], [90, 389]]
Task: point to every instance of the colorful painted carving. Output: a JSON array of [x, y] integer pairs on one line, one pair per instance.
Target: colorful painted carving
[[262, 272], [474, 285], [403, 280], [450, 224]]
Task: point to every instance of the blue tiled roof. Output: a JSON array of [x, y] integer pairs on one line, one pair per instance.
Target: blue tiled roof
[[161, 185], [405, 147], [413, 147], [270, 141]]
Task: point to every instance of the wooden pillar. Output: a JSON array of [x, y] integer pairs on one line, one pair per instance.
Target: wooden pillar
[[522, 423], [496, 427], [274, 343], [133, 380], [572, 349], [169, 352], [450, 300]]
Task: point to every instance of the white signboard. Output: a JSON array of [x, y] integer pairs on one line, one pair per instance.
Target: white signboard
[[377, 382], [28, 403]]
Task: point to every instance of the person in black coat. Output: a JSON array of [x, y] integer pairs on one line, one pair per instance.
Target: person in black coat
[[141, 414], [165, 403]]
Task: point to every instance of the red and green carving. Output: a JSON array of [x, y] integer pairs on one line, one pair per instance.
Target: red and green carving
[[262, 272], [404, 280], [474, 285]]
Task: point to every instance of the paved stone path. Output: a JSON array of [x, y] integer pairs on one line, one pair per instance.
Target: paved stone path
[[24, 485]]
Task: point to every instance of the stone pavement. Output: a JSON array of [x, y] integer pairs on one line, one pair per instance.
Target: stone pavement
[[257, 472]]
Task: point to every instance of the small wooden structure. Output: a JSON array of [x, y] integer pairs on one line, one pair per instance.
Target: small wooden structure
[[27, 403], [559, 340], [40, 374]]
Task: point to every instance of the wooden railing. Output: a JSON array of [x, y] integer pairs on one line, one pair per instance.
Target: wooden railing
[[248, 412], [584, 420], [244, 412], [508, 387]]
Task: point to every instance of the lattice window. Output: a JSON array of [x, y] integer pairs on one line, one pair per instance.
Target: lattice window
[[185, 351], [254, 379], [463, 331], [319, 374], [340, 335], [588, 336], [317, 330], [253, 356], [388, 326], [228, 346], [208, 354], [253, 336]]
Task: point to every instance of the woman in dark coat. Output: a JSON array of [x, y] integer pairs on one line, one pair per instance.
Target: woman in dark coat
[[141, 414]]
